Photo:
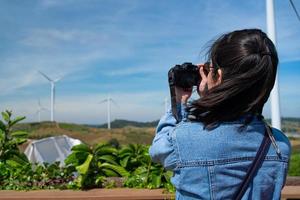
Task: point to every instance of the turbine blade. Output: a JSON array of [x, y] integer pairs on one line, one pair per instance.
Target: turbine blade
[[105, 100], [58, 79], [114, 102], [43, 108], [47, 77], [39, 102]]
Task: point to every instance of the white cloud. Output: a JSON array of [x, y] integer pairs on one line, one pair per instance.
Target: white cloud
[[55, 37], [152, 42]]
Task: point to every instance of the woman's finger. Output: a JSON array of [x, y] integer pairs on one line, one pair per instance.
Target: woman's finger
[[200, 65], [203, 83], [202, 74]]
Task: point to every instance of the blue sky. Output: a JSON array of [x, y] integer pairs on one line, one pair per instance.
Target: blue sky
[[124, 48]]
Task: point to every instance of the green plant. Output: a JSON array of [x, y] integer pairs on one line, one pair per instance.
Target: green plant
[[152, 176], [132, 162], [9, 140], [16, 172], [94, 164], [294, 168], [33, 177], [133, 156]]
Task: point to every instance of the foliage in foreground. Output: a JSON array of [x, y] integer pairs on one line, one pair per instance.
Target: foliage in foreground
[[92, 165], [9, 140], [16, 172], [294, 168], [33, 177], [132, 163]]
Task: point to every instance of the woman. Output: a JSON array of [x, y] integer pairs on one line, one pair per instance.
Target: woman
[[216, 141]]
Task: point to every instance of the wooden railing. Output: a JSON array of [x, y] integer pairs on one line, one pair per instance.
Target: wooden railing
[[289, 192]]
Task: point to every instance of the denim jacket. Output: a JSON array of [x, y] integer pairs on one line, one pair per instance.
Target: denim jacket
[[212, 164]]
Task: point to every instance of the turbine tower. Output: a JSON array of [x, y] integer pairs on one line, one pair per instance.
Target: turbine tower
[[166, 103], [108, 100], [271, 31], [52, 82], [40, 109]]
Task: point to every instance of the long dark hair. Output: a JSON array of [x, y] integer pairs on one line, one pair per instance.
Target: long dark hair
[[248, 60]]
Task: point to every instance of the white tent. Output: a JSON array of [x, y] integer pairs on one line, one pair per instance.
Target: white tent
[[50, 149]]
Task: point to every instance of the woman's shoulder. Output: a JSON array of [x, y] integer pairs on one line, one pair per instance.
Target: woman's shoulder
[[193, 141], [282, 141], [225, 140]]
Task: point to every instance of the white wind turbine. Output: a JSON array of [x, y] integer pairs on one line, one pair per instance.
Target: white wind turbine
[[166, 103], [40, 109], [271, 31], [52, 82], [108, 101]]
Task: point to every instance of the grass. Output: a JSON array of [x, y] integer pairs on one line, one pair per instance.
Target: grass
[[88, 134]]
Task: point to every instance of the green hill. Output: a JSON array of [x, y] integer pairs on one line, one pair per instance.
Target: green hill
[[120, 123], [89, 134]]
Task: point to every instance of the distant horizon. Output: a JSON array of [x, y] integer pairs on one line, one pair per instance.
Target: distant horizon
[[105, 123]]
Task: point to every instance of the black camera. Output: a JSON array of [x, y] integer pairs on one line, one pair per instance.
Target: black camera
[[184, 76]]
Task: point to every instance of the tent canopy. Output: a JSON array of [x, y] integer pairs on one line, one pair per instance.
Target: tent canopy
[[51, 149]]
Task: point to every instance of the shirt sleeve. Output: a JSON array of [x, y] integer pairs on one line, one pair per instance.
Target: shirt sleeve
[[162, 150]]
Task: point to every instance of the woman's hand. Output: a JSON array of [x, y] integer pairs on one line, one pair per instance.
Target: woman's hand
[[207, 79], [183, 94]]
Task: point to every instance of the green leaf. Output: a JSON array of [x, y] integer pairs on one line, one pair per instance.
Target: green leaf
[[168, 175], [110, 173], [125, 151], [16, 120], [13, 163], [156, 180], [79, 181], [17, 160], [5, 116], [119, 169], [108, 158], [81, 147], [140, 170], [83, 169], [99, 179], [20, 134], [19, 141], [2, 137], [101, 145], [106, 150], [124, 161], [2, 126], [76, 158]]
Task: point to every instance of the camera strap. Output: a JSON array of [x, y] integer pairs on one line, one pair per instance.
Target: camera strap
[[173, 103], [256, 164], [173, 94]]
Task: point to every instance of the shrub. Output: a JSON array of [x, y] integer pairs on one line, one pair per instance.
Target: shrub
[[16, 172], [294, 168], [131, 162]]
